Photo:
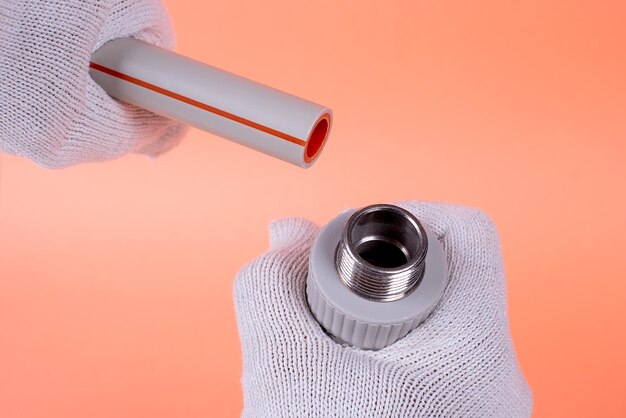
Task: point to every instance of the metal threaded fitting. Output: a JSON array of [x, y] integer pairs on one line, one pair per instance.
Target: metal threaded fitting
[[374, 275], [381, 253]]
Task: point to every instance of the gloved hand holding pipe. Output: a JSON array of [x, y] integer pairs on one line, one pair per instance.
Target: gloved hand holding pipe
[[54, 113], [459, 362]]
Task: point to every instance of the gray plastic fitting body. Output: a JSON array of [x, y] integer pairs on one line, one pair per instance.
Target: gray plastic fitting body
[[394, 276], [260, 117]]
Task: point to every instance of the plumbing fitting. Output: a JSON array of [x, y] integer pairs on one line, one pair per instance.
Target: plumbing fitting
[[254, 115], [374, 275]]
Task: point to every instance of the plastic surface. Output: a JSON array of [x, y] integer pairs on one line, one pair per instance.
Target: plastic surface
[[260, 117], [361, 322]]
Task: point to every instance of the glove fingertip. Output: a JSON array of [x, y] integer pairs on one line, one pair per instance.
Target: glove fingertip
[[289, 231]]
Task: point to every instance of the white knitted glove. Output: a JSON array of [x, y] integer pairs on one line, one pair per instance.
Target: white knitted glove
[[51, 111], [459, 363]]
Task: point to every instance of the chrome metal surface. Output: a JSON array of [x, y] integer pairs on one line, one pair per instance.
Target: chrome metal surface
[[381, 253]]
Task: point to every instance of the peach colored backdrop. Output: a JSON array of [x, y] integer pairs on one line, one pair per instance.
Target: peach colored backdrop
[[116, 278]]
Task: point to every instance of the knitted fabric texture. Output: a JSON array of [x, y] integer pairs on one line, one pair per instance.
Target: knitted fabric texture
[[459, 363], [51, 111]]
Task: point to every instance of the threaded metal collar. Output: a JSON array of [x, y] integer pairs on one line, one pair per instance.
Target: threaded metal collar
[[381, 253]]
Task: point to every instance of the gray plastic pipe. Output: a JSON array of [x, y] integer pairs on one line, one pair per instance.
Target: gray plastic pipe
[[260, 117]]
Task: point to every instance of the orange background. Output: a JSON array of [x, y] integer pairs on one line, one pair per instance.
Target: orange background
[[116, 278]]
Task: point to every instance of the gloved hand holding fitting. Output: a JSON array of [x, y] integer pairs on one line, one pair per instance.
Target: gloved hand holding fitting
[[459, 362], [51, 110]]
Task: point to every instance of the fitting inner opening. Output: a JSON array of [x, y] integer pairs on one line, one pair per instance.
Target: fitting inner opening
[[384, 237], [317, 138], [381, 253]]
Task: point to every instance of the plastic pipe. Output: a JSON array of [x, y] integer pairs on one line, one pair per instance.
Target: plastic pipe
[[251, 114]]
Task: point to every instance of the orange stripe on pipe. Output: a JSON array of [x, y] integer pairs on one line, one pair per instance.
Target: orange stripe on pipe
[[197, 104]]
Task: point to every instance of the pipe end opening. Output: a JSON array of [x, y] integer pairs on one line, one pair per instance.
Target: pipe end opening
[[317, 139]]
